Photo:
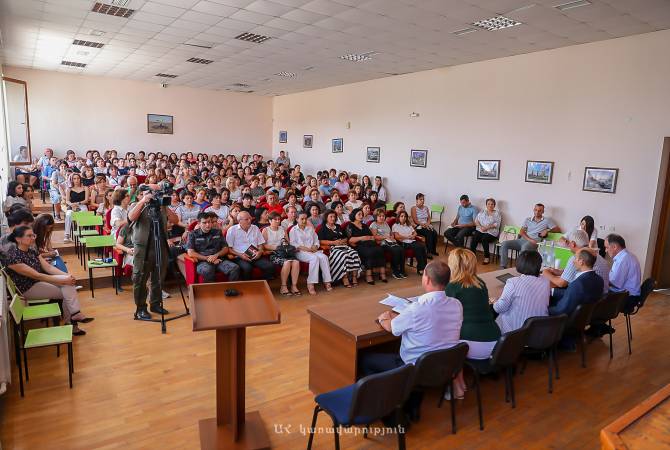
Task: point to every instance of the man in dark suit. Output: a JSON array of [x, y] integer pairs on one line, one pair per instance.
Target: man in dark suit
[[587, 287]]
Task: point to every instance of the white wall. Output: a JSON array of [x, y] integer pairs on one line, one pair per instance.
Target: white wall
[[602, 104], [80, 113]]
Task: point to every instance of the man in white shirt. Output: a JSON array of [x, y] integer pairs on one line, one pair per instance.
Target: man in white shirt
[[246, 243], [432, 322]]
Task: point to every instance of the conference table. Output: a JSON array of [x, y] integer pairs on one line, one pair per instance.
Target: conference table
[[340, 333]]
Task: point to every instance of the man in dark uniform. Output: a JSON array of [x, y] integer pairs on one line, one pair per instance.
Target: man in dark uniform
[[209, 247], [145, 261]]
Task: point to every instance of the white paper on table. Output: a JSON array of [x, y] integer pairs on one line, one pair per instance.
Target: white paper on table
[[397, 303]]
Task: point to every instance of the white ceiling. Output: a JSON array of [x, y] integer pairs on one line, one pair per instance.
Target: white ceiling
[[308, 37]]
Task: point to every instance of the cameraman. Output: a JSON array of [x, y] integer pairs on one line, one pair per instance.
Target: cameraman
[[144, 260]]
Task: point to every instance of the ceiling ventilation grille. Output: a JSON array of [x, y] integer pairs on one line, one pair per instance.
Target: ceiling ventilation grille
[[570, 5], [496, 23], [363, 57], [112, 10], [72, 64], [285, 74], [240, 85], [200, 61], [87, 43], [251, 37], [166, 75]]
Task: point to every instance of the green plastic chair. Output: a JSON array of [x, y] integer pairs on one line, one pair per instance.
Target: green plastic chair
[[85, 227], [563, 254], [389, 206], [101, 242], [36, 338], [13, 290], [437, 209], [77, 217]]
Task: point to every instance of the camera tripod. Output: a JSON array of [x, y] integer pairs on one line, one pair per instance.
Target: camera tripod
[[159, 237]]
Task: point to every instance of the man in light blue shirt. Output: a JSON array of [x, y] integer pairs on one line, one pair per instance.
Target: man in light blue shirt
[[625, 274], [432, 322], [534, 229], [463, 224]]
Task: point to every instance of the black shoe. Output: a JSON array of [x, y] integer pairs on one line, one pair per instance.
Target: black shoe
[[158, 310], [419, 272], [403, 274], [397, 276], [142, 314]]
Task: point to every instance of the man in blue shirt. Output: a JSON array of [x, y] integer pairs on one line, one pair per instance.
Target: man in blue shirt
[[625, 274], [534, 229], [464, 223]]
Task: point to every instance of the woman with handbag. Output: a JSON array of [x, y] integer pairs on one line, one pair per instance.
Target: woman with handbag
[[282, 254], [382, 233], [343, 260]]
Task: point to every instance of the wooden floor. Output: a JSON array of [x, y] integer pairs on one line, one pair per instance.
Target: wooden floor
[[135, 388]]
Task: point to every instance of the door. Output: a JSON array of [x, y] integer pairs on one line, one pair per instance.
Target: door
[[660, 270]]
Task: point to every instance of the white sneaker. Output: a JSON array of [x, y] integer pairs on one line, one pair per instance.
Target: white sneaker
[[78, 287], [166, 294], [66, 240]]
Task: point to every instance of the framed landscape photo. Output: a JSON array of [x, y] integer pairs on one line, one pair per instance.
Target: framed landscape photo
[[539, 171], [418, 158], [159, 124], [338, 145], [600, 179], [283, 137], [307, 141], [373, 154], [488, 169]]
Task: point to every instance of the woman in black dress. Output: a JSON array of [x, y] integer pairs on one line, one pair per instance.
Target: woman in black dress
[[343, 260], [372, 255]]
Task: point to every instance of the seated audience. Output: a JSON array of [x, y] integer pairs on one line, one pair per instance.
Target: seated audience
[[187, 212], [304, 238], [405, 234], [76, 200], [382, 232], [524, 296], [479, 329], [246, 244], [576, 240], [375, 203], [314, 217], [218, 208], [463, 224], [421, 217], [14, 196], [533, 230], [587, 287], [372, 255], [625, 274], [209, 248], [487, 229], [272, 204], [432, 322], [261, 218], [57, 187], [200, 199], [325, 188], [315, 199], [342, 185], [35, 278], [16, 217], [343, 260], [353, 202]]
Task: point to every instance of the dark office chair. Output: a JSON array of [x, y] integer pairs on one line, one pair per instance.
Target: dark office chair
[[370, 399], [505, 355], [437, 369], [608, 309], [646, 288], [577, 322], [544, 333]]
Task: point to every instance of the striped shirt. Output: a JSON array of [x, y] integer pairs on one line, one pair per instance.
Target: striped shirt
[[600, 267], [625, 274], [523, 297], [485, 219], [534, 228]]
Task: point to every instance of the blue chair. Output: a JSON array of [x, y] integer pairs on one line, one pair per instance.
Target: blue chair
[[367, 401]]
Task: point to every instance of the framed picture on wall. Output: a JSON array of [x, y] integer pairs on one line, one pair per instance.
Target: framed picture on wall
[[307, 141], [159, 124], [488, 169], [373, 154], [600, 179], [539, 171], [338, 145], [283, 137], [418, 158]]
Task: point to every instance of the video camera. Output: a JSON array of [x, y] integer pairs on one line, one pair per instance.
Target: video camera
[[161, 196]]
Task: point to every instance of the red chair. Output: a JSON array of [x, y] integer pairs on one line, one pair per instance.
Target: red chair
[[141, 178], [325, 199], [107, 228]]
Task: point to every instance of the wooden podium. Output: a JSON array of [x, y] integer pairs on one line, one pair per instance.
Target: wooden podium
[[229, 316]]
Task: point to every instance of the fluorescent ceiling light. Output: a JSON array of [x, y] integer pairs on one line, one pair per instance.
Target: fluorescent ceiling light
[[463, 31], [496, 23], [362, 57], [571, 5]]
